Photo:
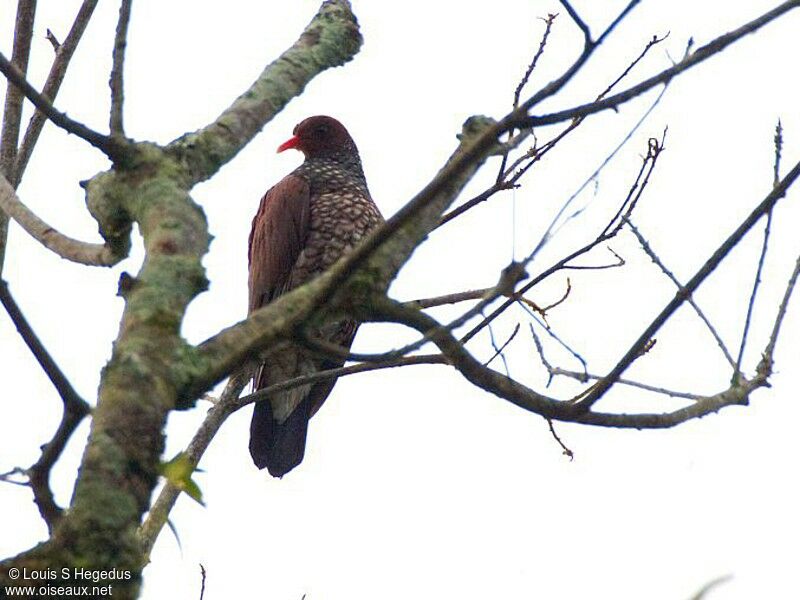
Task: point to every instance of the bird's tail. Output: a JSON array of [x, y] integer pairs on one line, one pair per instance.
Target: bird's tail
[[278, 446]]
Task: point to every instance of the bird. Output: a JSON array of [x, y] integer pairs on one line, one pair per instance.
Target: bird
[[304, 224]]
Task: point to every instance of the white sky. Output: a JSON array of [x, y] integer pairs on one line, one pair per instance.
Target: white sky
[[414, 483]]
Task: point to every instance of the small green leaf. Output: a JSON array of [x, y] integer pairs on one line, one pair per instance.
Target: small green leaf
[[178, 471]]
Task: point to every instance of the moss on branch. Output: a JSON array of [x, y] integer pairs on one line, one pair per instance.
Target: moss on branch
[[331, 39]]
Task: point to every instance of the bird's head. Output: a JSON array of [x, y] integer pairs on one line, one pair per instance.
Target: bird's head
[[319, 137]]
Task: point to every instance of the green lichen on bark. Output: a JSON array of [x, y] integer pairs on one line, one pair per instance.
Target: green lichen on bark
[[152, 370]]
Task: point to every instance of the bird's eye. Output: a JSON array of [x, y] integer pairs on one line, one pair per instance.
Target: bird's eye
[[322, 131]]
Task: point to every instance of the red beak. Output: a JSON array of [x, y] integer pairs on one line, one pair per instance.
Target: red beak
[[292, 142]]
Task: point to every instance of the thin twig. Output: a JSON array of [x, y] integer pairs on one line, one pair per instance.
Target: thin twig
[[75, 409], [9, 477], [540, 349], [575, 354], [115, 81], [453, 298], [778, 140], [764, 369], [523, 82], [202, 581], [565, 450], [498, 351], [620, 262], [548, 25], [610, 230], [583, 376], [228, 403], [778, 192], [504, 287], [159, 511], [654, 257], [704, 52], [752, 301], [508, 178], [86, 253], [51, 86], [51, 37]]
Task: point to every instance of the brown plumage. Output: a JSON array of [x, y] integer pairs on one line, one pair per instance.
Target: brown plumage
[[304, 224]]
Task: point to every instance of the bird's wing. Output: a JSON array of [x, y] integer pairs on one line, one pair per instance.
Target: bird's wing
[[276, 239]]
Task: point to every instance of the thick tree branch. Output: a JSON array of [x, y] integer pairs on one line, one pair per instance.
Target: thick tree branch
[[75, 409], [550, 408], [225, 351], [331, 39], [115, 81], [101, 255], [373, 265], [64, 54]]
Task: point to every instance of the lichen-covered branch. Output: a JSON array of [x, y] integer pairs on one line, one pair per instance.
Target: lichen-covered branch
[[368, 270], [152, 366], [86, 253], [331, 39]]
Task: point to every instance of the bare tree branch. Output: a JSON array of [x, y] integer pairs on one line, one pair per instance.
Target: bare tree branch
[[712, 48], [112, 148], [101, 255], [229, 403], [160, 509], [654, 257], [778, 192], [610, 230], [765, 365], [51, 37], [507, 178], [528, 399], [115, 81], [778, 140], [582, 376], [416, 219], [64, 54], [12, 110], [75, 409]]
